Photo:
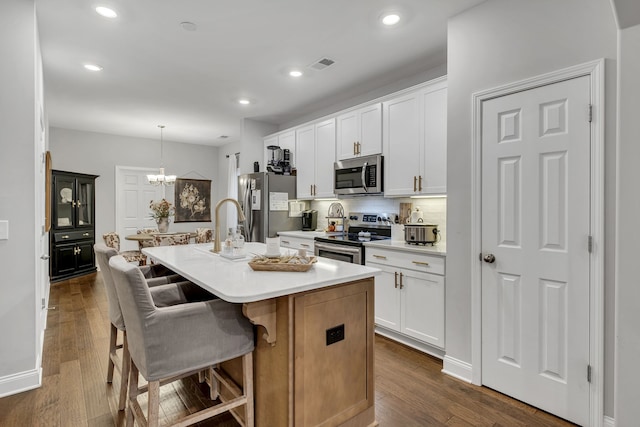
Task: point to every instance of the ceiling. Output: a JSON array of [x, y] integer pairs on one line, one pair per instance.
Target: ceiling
[[156, 72]]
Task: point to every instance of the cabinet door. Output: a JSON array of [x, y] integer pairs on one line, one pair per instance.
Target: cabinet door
[[85, 202], [387, 301], [305, 146], [423, 307], [347, 135], [63, 260], [402, 142], [64, 197], [325, 156], [434, 170], [370, 122], [84, 255]]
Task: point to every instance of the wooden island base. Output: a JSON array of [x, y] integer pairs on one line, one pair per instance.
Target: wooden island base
[[316, 367]]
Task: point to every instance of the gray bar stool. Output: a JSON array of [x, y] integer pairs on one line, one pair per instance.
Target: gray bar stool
[[167, 289], [169, 343]]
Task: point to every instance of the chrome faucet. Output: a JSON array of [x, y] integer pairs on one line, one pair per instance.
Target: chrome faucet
[[216, 237]]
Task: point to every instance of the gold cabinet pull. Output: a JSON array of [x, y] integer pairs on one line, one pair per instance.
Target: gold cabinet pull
[[414, 183], [65, 237], [304, 245], [420, 183], [401, 276], [86, 234], [379, 256], [395, 279], [355, 151], [420, 263], [358, 147], [286, 242]]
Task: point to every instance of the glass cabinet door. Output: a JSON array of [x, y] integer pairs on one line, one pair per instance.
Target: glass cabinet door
[[64, 208], [84, 204]]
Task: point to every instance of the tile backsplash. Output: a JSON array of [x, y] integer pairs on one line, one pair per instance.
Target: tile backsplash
[[434, 209]]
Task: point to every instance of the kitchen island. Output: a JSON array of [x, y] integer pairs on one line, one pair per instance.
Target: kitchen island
[[313, 362]]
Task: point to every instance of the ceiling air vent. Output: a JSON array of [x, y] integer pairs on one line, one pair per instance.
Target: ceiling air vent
[[322, 64]]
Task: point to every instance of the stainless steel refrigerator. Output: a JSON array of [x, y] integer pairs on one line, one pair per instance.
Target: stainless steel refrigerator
[[264, 199]]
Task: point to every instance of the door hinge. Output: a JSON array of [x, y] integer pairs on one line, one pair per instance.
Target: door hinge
[[590, 244], [588, 373], [590, 113]]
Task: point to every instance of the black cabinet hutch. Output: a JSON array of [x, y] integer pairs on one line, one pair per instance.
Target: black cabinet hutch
[[72, 232]]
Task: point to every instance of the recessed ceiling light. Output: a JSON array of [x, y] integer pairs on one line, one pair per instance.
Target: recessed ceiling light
[[244, 101], [295, 73], [106, 12], [391, 19], [93, 67], [188, 26]]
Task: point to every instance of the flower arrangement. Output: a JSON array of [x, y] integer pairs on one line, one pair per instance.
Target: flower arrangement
[[190, 199], [161, 209]]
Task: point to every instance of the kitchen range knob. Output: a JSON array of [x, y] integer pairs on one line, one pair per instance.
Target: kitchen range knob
[[489, 258]]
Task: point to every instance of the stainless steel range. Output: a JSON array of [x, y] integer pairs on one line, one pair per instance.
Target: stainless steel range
[[349, 246]]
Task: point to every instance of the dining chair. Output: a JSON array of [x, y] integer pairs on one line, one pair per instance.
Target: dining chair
[[146, 243], [169, 343], [165, 290], [171, 239], [204, 235], [112, 239]]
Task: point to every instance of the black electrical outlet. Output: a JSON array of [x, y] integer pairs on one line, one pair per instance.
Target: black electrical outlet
[[335, 334]]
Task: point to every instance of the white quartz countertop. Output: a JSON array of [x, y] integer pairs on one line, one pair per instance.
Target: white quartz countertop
[[235, 281], [303, 234], [401, 245]]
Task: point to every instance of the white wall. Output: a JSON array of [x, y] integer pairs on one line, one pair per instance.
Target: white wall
[[495, 43], [99, 154], [627, 410], [20, 338]]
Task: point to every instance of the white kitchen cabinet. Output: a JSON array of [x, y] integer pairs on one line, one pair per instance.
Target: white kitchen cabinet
[[296, 243], [415, 142], [316, 148], [409, 294], [286, 139], [359, 132]]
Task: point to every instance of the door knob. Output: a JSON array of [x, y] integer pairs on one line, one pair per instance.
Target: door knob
[[490, 258]]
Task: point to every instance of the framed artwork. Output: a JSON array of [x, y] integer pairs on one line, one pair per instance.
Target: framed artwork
[[192, 200], [47, 194]]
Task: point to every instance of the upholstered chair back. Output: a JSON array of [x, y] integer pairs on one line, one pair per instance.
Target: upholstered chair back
[[103, 255], [146, 243], [204, 235], [112, 240], [171, 239]]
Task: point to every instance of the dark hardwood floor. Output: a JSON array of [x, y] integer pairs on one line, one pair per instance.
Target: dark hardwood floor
[[410, 389]]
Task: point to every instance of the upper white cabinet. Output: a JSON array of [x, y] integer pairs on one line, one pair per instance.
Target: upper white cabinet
[[359, 132], [316, 152], [286, 139], [415, 142]]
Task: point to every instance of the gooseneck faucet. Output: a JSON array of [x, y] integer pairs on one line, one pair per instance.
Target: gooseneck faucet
[[216, 237]]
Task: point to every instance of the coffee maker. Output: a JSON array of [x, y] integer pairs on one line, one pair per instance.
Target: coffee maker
[[309, 220]]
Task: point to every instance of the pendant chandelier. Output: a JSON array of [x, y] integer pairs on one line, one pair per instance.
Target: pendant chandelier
[[161, 179]]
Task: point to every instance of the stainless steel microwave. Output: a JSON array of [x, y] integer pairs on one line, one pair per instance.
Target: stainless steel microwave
[[360, 175]]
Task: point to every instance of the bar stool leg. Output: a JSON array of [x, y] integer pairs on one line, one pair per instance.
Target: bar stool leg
[[153, 410], [124, 375], [247, 386], [112, 352]]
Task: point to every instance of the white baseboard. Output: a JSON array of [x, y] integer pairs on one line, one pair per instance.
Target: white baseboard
[[609, 422], [457, 368], [410, 342], [22, 381]]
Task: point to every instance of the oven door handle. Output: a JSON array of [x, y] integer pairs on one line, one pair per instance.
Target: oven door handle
[[337, 248]]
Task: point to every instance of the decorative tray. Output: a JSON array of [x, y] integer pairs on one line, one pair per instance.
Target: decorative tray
[[283, 263]]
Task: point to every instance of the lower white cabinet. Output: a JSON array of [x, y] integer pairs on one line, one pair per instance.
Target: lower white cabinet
[[409, 295], [297, 243]]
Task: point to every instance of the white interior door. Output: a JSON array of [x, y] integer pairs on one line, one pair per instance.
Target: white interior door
[[133, 195], [535, 222]]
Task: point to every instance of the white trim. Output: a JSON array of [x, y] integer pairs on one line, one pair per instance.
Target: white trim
[[595, 70], [410, 342], [608, 422], [457, 369], [22, 381]]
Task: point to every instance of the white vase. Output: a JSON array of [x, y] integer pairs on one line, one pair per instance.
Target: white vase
[[163, 224]]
